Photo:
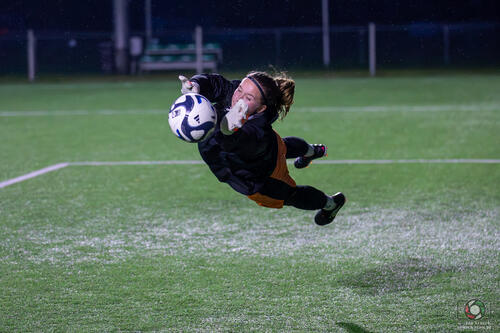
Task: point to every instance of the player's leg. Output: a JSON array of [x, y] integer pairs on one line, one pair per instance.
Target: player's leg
[[280, 189], [275, 193], [310, 198], [296, 147], [303, 152], [327, 214]]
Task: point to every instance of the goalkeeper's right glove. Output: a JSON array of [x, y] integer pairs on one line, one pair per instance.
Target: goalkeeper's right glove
[[188, 86], [235, 118]]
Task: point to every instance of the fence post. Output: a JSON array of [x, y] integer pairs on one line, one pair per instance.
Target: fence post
[[31, 49], [148, 24], [120, 15], [372, 46], [198, 38], [326, 33]]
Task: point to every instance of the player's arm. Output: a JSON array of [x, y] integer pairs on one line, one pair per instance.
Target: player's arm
[[248, 139], [214, 87]]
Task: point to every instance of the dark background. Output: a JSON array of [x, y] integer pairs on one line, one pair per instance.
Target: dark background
[[77, 36], [96, 15]]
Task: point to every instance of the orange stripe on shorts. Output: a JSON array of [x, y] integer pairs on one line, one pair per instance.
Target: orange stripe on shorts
[[281, 173]]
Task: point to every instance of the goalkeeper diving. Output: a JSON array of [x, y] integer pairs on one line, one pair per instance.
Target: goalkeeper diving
[[246, 153]]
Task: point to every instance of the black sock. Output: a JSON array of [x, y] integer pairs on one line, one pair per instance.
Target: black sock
[[295, 147], [306, 197]]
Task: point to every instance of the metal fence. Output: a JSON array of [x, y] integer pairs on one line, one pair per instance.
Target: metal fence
[[397, 46]]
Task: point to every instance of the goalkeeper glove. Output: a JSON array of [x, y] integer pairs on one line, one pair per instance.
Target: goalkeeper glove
[[234, 118], [188, 86]]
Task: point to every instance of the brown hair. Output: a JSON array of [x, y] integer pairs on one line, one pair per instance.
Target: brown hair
[[278, 89]]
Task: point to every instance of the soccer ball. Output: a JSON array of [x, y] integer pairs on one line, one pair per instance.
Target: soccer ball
[[192, 117]]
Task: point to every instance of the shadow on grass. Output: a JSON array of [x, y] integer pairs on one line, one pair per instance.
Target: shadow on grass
[[409, 274], [352, 328]]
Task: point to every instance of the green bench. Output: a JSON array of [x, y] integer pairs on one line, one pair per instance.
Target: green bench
[[179, 56]]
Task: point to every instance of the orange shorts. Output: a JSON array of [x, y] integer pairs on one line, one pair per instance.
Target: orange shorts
[[280, 172]]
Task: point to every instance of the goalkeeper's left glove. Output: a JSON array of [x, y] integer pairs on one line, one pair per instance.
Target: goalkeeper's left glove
[[234, 118], [188, 86]]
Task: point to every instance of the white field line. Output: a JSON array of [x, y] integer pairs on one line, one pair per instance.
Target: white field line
[[199, 162], [415, 161], [382, 108], [195, 162], [43, 113], [33, 174], [404, 108], [180, 162]]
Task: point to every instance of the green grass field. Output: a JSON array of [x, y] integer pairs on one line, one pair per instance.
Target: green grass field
[[168, 248]]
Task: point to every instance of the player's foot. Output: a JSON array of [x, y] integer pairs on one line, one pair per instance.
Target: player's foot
[[324, 217], [302, 162]]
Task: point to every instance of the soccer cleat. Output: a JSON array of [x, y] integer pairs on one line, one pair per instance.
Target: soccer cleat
[[324, 217], [319, 151]]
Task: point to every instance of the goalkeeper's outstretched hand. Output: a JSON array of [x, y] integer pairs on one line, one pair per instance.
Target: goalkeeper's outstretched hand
[[234, 118], [188, 86]]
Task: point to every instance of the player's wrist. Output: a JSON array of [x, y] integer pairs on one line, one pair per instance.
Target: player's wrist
[[224, 127]]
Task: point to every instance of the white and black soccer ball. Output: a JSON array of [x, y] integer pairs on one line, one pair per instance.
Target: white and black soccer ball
[[192, 117]]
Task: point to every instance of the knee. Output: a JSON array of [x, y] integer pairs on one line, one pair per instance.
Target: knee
[[291, 199]]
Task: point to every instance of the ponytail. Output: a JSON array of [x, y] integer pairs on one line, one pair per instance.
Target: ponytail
[[287, 88], [278, 91]]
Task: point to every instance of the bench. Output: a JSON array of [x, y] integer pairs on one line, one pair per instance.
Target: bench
[[179, 56]]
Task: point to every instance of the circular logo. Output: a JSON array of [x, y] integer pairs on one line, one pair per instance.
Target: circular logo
[[475, 309]]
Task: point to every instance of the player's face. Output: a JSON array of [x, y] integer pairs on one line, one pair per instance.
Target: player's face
[[250, 94]]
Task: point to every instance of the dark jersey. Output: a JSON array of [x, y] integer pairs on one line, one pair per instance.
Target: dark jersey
[[245, 159]]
